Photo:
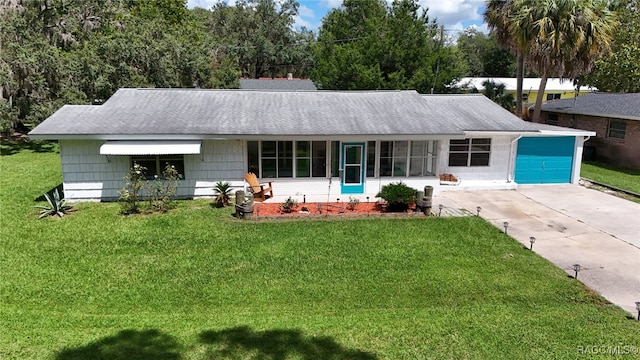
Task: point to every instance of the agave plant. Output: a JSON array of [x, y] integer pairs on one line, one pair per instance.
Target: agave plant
[[223, 193], [56, 205]]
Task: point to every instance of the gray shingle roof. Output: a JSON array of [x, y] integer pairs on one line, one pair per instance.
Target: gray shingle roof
[[277, 84], [615, 105], [237, 113]]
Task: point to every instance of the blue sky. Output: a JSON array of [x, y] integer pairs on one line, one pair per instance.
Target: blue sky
[[455, 15]]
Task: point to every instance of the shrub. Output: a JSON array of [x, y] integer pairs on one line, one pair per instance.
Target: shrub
[[162, 191], [397, 195], [223, 193], [288, 205], [131, 193], [56, 205], [353, 202]]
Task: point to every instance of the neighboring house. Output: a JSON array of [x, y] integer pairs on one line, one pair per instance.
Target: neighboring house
[[306, 142], [289, 83], [554, 89], [615, 118]]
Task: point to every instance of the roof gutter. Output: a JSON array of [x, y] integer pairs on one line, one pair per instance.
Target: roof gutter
[[585, 113]]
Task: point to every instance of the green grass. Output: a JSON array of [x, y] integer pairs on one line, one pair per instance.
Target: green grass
[[622, 178], [196, 284]]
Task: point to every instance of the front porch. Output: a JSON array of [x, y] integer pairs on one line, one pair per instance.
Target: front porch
[[312, 190]]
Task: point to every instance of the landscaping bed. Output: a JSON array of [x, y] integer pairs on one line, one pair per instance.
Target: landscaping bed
[[323, 209]]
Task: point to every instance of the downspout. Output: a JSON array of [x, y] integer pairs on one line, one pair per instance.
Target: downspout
[[512, 156]]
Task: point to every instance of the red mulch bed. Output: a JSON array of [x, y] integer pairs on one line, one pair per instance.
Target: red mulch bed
[[303, 210]]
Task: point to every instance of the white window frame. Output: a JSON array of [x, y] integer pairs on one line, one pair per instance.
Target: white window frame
[[431, 158], [160, 160], [294, 158], [470, 151]]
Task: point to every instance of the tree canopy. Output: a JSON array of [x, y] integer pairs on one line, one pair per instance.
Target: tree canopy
[[560, 38], [80, 52], [620, 70], [483, 56], [366, 44]]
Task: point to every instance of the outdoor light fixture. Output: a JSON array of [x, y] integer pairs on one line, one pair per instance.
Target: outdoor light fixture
[[638, 307], [478, 211], [440, 209], [576, 268], [367, 199], [532, 240], [506, 226], [304, 198], [338, 200]]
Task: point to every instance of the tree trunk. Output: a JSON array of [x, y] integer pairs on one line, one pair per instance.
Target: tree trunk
[[538, 106], [519, 80]]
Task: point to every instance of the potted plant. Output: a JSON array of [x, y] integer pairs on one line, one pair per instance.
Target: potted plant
[[223, 193], [398, 196], [288, 205]]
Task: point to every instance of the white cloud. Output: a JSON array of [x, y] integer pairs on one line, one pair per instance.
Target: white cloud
[[300, 22], [455, 15], [452, 13], [306, 18], [205, 4], [305, 11], [330, 4]]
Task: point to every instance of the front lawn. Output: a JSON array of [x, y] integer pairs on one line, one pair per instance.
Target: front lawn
[[626, 179], [194, 283]]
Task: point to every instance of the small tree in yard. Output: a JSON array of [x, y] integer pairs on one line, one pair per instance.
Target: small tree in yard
[[131, 193], [162, 190], [223, 193]]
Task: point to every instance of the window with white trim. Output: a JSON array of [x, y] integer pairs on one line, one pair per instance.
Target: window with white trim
[[155, 164], [469, 152], [403, 158], [276, 159], [422, 158], [616, 129], [393, 158]]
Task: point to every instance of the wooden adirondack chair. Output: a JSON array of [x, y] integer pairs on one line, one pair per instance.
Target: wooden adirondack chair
[[259, 190]]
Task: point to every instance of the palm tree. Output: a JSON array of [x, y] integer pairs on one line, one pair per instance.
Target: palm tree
[[496, 92], [561, 38], [497, 15]]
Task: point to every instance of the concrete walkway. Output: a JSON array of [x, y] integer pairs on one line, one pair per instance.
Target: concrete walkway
[[572, 225]]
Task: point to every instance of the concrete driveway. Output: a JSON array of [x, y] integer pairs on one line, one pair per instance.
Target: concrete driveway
[[572, 225]]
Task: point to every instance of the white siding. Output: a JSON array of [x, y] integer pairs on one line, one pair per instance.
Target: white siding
[[220, 160], [498, 168], [89, 176], [577, 159]]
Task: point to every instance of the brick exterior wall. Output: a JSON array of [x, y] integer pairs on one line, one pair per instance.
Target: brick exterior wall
[[620, 152]]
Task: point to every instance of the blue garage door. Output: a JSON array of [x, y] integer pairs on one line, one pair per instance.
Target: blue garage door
[[544, 160]]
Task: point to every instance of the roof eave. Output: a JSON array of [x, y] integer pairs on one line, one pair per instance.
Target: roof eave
[[586, 113], [362, 137]]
